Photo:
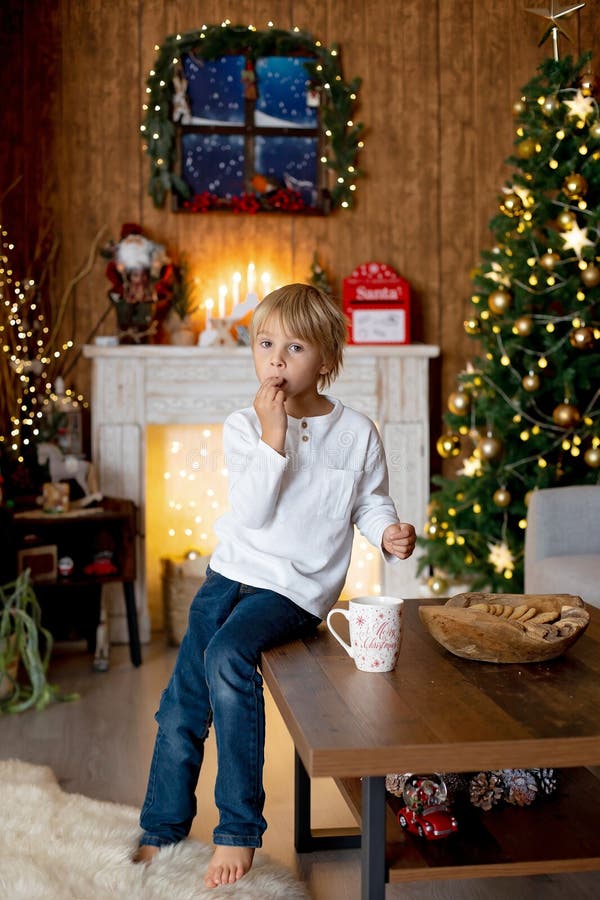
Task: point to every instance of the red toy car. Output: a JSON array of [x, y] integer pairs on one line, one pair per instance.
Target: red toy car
[[426, 813], [433, 823], [101, 566]]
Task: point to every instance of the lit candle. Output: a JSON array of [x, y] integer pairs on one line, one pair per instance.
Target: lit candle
[[235, 289], [222, 298], [208, 305], [251, 277], [266, 283]]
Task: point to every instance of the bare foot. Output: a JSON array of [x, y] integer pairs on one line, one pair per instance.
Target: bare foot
[[145, 854], [228, 865]]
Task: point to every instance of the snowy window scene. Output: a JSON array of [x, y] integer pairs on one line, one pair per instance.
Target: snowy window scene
[[249, 134]]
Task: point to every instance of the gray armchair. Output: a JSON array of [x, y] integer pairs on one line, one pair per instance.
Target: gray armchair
[[562, 542]]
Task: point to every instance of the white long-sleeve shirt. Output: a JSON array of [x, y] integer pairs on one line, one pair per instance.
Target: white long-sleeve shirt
[[291, 521]]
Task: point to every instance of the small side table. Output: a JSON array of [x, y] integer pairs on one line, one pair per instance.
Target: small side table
[[80, 534]]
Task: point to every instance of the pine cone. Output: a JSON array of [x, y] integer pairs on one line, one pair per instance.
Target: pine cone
[[395, 784], [547, 780], [486, 789], [521, 786], [456, 783]]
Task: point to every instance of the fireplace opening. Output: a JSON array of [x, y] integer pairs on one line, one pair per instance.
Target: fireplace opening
[[186, 492]]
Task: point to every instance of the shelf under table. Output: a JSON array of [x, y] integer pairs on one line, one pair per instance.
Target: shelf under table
[[557, 833]]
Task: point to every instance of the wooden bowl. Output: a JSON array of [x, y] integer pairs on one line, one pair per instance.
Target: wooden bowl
[[507, 628]]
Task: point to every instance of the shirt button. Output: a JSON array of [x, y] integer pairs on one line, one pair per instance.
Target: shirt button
[[305, 424], [304, 437]]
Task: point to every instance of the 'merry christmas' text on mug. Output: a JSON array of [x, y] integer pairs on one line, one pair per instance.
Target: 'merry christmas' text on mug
[[375, 632]]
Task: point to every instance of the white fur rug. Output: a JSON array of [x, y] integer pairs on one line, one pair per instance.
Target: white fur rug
[[59, 846]]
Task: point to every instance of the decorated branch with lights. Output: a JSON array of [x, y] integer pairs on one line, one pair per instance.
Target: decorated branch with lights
[[337, 98], [526, 411], [35, 355]]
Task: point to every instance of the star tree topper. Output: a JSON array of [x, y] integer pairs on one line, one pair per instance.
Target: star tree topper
[[554, 15]]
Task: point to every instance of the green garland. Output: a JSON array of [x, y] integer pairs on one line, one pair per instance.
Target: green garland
[[338, 100]]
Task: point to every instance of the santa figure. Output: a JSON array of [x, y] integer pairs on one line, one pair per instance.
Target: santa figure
[[142, 280], [137, 267]]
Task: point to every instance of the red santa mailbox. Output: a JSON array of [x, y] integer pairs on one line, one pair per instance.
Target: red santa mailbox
[[377, 304]]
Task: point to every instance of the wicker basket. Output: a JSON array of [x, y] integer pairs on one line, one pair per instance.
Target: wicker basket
[[181, 578]]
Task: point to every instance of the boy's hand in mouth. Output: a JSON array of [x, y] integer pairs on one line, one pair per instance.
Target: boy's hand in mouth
[[270, 409]]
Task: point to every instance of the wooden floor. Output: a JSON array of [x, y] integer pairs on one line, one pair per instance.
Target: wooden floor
[[100, 745]]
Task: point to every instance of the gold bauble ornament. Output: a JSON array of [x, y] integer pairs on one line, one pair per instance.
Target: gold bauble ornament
[[519, 107], [531, 382], [566, 415], [582, 338], [549, 260], [511, 205], [526, 148], [437, 585], [575, 186], [502, 497], [448, 445], [459, 403], [592, 457], [490, 447], [499, 301], [595, 131], [566, 219], [550, 105], [590, 275], [472, 326], [523, 326]]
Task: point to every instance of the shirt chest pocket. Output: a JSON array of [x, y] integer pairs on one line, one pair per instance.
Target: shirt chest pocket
[[336, 493]]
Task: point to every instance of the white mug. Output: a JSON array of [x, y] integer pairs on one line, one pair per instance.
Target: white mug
[[375, 631]]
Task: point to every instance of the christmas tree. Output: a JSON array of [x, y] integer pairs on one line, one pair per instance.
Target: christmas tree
[[526, 412]]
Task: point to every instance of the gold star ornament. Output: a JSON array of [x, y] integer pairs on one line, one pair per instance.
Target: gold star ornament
[[580, 107], [555, 26], [500, 557], [576, 239]]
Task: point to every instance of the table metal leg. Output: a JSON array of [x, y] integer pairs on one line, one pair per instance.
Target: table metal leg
[[373, 838], [302, 832], [306, 839], [135, 649]]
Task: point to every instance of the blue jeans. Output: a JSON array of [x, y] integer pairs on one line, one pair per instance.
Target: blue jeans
[[216, 680]]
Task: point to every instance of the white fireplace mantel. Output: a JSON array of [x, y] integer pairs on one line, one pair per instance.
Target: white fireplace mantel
[[135, 386]]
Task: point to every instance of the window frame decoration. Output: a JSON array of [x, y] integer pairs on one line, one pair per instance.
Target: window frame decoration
[[339, 136]]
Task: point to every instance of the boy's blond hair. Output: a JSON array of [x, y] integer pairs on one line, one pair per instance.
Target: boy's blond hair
[[311, 315]]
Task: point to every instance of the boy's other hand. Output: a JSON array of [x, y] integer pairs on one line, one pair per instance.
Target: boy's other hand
[[399, 540], [270, 409]]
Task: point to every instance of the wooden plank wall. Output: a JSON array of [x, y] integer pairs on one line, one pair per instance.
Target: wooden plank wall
[[439, 81]]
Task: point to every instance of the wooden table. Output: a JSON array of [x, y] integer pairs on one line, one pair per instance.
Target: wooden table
[[439, 713]]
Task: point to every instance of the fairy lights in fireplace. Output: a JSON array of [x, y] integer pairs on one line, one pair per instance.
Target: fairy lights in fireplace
[[186, 480]]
